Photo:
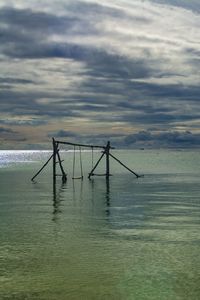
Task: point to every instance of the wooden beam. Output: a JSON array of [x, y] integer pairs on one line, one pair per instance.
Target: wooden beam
[[107, 152], [82, 145]]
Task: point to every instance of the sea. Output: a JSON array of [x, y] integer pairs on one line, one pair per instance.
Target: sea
[[122, 238]]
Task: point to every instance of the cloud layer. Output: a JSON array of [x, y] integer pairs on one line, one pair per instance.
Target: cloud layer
[[90, 68]]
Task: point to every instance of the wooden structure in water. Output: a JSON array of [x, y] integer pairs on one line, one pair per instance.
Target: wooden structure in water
[[56, 158]]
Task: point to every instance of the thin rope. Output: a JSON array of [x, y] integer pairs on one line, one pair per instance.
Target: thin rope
[[81, 165], [74, 159], [74, 163], [92, 157]]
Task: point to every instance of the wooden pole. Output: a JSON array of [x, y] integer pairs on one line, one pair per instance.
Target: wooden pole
[[64, 176]]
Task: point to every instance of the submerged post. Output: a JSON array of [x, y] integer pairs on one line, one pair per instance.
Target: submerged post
[[64, 176]]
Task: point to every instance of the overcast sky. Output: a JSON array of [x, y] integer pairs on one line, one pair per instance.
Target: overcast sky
[[124, 70]]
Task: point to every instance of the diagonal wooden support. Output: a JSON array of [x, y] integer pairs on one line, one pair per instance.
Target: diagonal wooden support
[[124, 165], [91, 173], [32, 179]]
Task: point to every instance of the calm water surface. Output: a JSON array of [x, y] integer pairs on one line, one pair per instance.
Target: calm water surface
[[123, 239]]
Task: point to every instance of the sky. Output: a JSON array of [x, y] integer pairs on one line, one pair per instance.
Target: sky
[[89, 71]]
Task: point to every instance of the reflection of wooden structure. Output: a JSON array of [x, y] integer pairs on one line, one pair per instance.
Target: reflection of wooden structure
[[57, 160]]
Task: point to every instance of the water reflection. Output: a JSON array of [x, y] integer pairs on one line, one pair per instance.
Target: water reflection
[[95, 195], [77, 190], [132, 210], [57, 200], [100, 192], [107, 196]]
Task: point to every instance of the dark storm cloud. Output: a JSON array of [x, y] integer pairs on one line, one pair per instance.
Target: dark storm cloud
[[62, 134], [113, 66], [6, 130], [98, 139], [163, 91], [158, 118], [98, 11], [9, 80], [100, 62], [163, 139], [26, 36], [11, 101], [176, 91], [7, 134], [152, 117], [140, 136], [27, 111], [32, 122], [27, 40], [32, 21], [25, 33], [191, 5], [116, 139], [145, 103], [156, 103]]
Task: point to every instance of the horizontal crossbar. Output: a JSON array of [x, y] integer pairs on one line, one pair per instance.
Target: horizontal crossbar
[[82, 145]]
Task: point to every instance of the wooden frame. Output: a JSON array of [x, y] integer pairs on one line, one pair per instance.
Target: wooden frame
[[106, 152]]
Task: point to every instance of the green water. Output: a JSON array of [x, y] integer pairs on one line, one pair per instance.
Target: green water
[[123, 239]]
